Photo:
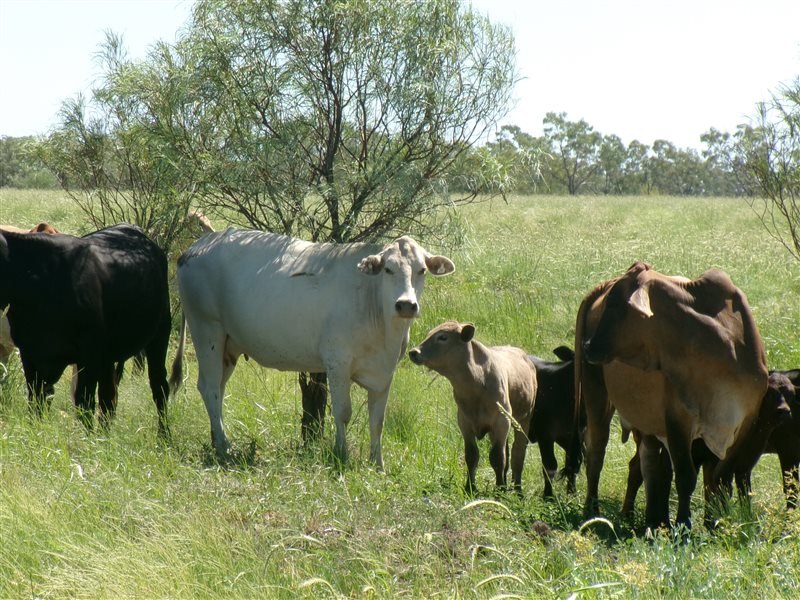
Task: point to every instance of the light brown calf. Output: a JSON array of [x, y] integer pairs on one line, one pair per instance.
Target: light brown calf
[[482, 378]]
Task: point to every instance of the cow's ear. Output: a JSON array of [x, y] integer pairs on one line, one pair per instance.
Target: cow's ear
[[467, 332], [439, 265], [640, 301], [371, 265]]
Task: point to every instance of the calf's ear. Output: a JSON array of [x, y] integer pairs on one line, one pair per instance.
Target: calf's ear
[[640, 301], [467, 332], [371, 265], [439, 265]]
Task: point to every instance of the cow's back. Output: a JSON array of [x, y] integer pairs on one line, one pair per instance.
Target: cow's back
[[122, 275], [276, 297], [520, 374], [553, 413]]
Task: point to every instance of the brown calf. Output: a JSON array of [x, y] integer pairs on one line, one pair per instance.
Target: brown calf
[[484, 379]]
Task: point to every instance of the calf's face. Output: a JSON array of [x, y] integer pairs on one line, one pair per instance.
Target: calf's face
[[444, 348], [402, 266]]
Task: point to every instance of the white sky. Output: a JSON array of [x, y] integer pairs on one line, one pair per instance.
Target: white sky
[[640, 69]]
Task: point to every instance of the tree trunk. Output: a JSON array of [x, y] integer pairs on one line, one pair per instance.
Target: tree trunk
[[314, 387]]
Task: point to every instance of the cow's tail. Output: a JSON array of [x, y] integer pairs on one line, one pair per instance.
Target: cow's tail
[[580, 334], [580, 327], [176, 377]]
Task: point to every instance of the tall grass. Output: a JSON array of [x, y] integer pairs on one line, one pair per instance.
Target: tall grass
[[121, 515]]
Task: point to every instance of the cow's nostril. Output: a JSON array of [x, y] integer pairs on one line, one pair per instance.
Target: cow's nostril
[[406, 307]]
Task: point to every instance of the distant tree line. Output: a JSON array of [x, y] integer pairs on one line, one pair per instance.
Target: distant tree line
[[572, 158]]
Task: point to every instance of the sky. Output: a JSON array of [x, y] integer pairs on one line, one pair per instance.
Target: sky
[[639, 69]]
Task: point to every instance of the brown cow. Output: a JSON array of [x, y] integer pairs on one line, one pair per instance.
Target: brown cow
[[679, 360], [484, 377]]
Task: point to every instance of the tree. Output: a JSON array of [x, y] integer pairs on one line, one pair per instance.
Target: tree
[[636, 169], [110, 160], [333, 120], [721, 163], [675, 171], [519, 155], [612, 156], [336, 121], [574, 148], [770, 156]]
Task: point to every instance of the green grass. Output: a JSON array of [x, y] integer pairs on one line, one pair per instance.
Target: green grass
[[120, 515]]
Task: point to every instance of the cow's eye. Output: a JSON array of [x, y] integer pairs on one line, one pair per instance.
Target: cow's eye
[[442, 337]]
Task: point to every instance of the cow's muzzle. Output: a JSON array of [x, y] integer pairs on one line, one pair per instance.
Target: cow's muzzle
[[594, 354], [415, 355], [407, 309]]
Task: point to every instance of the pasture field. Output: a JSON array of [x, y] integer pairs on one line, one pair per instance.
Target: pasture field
[[119, 515]]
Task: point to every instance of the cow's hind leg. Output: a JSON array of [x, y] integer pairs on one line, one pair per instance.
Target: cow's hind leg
[[597, 432], [518, 451], [107, 394], [156, 353], [209, 344], [549, 465], [791, 482], [635, 481]]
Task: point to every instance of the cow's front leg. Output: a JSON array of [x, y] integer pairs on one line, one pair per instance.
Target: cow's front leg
[[657, 475], [376, 403], [37, 393], [471, 458], [40, 384], [341, 408]]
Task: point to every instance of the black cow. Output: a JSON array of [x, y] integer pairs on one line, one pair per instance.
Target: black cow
[[784, 440], [553, 419], [93, 301]]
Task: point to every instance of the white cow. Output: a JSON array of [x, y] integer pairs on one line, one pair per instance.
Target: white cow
[[342, 309]]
